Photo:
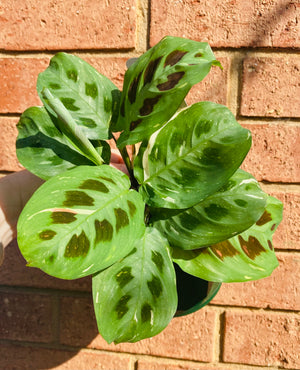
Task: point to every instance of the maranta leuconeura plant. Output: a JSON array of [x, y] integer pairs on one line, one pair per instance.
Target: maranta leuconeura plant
[[185, 201]]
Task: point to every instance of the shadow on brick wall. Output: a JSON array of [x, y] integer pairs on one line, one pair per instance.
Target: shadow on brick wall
[[33, 323]]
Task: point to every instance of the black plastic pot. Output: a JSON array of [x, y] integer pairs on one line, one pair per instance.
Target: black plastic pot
[[193, 293]]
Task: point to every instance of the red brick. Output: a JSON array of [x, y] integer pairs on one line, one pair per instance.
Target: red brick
[[68, 24], [19, 77], [14, 272], [8, 135], [158, 364], [270, 23], [271, 87], [213, 87], [113, 68], [262, 338], [18, 83], [27, 358], [275, 152], [279, 291], [287, 235], [26, 317], [190, 337]]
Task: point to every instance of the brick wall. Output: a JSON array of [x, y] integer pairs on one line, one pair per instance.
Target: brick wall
[[46, 323]]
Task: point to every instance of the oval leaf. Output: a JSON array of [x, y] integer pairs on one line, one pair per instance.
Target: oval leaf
[[156, 84], [247, 256], [191, 157], [91, 98], [136, 297], [229, 211], [80, 222], [43, 149]]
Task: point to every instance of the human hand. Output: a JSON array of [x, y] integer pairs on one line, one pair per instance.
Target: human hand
[[15, 191]]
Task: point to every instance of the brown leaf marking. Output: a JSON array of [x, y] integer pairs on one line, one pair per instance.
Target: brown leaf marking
[[148, 106], [173, 80], [252, 247], [224, 249], [174, 57], [265, 218]]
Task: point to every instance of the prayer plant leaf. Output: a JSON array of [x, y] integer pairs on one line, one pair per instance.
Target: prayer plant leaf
[[42, 148], [157, 83], [229, 211], [191, 157], [247, 256], [91, 98], [81, 221], [136, 297]]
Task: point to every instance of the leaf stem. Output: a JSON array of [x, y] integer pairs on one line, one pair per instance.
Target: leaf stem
[[128, 164]]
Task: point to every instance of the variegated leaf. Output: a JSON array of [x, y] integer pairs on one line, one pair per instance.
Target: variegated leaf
[[44, 150], [91, 98], [136, 297], [247, 256], [227, 212], [157, 83], [80, 222], [191, 157]]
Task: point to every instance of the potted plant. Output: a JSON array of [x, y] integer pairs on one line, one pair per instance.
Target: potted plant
[[184, 214]]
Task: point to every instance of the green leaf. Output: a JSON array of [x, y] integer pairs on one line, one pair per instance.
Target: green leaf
[[91, 98], [42, 148], [136, 297], [191, 157], [70, 129], [227, 212], [80, 222], [157, 83], [247, 256]]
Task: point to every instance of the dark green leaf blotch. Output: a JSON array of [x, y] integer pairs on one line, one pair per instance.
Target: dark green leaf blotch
[[47, 234], [124, 276], [155, 286], [132, 208], [146, 312], [78, 246], [91, 90], [216, 212], [63, 217], [72, 75], [96, 185], [157, 258], [69, 104], [77, 198], [121, 307], [104, 231], [121, 217]]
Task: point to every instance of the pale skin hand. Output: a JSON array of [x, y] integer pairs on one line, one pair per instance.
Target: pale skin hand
[[15, 191]]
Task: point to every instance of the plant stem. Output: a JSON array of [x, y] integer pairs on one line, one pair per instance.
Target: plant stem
[[128, 164]]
